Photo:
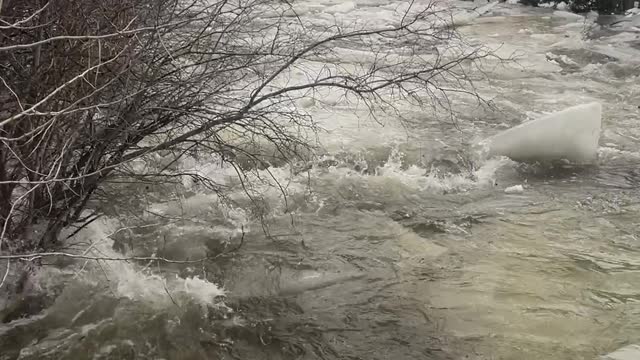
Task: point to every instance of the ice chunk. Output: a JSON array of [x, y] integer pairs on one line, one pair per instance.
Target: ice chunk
[[516, 189], [631, 352], [571, 134]]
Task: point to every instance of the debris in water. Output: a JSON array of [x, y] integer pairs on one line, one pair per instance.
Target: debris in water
[[516, 189]]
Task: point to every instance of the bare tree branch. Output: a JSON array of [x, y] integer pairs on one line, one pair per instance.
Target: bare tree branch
[[92, 89], [35, 256]]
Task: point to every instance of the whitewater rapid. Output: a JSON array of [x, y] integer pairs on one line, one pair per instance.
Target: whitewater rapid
[[397, 240]]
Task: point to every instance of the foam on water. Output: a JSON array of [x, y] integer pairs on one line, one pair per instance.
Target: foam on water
[[606, 153], [418, 178], [138, 283], [421, 179]]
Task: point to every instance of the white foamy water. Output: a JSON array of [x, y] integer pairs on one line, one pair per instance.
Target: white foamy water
[[432, 180], [508, 261], [134, 280]]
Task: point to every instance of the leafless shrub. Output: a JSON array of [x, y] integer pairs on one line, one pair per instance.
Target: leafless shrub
[[87, 86]]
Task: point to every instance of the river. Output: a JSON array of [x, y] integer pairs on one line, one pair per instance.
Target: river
[[393, 245]]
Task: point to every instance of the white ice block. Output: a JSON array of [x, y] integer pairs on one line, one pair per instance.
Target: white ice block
[[571, 134], [631, 352]]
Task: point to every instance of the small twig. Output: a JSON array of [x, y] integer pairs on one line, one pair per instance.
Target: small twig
[[164, 285], [169, 294], [34, 256], [92, 37], [87, 261], [239, 245], [11, 90], [81, 227], [6, 273]]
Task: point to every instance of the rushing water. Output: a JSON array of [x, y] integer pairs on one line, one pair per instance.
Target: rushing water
[[393, 246]]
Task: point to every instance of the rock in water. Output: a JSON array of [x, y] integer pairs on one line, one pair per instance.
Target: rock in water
[[571, 134], [631, 352]]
